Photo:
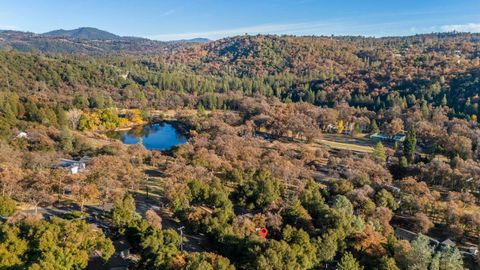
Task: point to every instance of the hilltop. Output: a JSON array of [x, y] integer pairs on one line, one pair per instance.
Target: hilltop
[[85, 40], [83, 33]]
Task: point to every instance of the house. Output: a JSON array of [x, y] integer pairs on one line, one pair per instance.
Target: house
[[73, 166], [400, 137], [392, 188], [248, 215], [22, 135], [125, 75], [473, 250], [404, 234], [469, 251], [448, 242], [379, 136]]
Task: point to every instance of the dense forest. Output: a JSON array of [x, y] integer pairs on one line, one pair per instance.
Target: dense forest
[[353, 152]]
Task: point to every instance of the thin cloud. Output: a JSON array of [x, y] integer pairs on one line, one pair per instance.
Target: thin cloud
[[469, 27], [168, 13], [339, 26], [256, 29], [8, 27]]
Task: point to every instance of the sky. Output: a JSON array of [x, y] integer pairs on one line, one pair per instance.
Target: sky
[[214, 19]]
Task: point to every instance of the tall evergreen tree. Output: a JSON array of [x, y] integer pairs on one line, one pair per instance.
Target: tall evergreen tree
[[374, 126], [124, 212], [410, 145], [449, 258], [348, 262], [379, 153], [420, 256], [444, 101]]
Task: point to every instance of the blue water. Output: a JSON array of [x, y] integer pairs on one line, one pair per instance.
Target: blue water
[[159, 136]]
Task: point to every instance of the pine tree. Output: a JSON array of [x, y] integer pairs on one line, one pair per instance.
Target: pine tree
[[348, 262], [61, 116], [403, 162], [387, 263], [420, 256], [379, 153], [5, 128], [66, 140], [7, 206], [374, 126], [449, 258], [410, 145], [444, 101], [124, 212]]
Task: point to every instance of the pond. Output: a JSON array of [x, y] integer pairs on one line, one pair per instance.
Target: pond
[[158, 136]]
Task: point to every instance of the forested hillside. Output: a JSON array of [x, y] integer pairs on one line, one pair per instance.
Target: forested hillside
[[87, 41], [353, 152]]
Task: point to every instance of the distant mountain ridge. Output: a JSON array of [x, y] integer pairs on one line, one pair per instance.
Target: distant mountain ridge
[[270, 53], [83, 33], [87, 40]]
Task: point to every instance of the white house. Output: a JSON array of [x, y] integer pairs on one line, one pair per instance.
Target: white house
[[73, 166], [22, 135]]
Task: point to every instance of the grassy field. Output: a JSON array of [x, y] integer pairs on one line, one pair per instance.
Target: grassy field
[[153, 184], [172, 114], [361, 144]]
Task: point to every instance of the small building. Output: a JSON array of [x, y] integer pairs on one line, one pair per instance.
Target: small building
[[472, 250], [391, 188], [400, 137], [73, 166], [125, 75], [404, 234], [469, 251], [448, 242], [22, 135], [379, 136]]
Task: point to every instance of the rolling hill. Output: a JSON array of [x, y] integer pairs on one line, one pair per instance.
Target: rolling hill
[[89, 41], [88, 33]]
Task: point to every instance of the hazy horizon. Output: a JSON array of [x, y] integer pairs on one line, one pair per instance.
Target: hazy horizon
[[175, 20], [249, 34]]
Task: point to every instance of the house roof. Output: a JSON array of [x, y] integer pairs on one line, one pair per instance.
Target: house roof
[[69, 163], [448, 242], [410, 236], [405, 234]]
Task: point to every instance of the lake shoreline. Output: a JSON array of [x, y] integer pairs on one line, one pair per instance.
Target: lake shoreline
[[162, 135]]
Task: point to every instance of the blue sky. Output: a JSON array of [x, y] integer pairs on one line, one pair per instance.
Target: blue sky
[[170, 19]]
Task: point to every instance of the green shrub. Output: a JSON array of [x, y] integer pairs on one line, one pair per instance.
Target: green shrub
[[7, 206]]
